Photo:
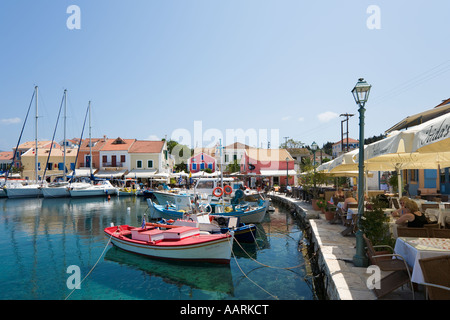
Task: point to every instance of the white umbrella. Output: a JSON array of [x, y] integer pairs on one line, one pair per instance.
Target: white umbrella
[[432, 136], [425, 146]]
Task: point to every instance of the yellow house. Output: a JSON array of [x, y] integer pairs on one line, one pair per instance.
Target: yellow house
[[55, 163], [148, 157]]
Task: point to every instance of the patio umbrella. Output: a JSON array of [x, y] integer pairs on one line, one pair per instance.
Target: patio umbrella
[[432, 136], [425, 146]]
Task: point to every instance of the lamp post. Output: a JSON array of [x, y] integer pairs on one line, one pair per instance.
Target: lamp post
[[314, 147], [361, 94], [287, 171]]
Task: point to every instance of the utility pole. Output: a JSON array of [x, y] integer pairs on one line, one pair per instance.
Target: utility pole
[[347, 116], [285, 143]]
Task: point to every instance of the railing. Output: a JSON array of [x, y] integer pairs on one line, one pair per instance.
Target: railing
[[113, 164], [86, 165]]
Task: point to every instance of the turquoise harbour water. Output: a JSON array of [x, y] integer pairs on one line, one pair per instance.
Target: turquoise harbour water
[[43, 237]]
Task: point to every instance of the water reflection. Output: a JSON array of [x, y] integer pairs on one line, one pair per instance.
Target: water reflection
[[203, 276]]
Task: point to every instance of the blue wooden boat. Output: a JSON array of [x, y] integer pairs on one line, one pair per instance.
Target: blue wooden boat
[[246, 213]]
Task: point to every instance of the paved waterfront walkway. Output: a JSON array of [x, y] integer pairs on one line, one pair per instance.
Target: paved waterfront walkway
[[344, 280]]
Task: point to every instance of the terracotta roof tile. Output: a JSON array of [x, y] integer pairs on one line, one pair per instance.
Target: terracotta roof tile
[[144, 146]]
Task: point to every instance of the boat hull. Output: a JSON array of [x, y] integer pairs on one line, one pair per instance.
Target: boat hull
[[208, 248], [56, 192], [24, 192], [92, 192], [251, 216]]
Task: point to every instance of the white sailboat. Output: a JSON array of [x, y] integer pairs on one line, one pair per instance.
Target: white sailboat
[[35, 189], [59, 189], [102, 188]]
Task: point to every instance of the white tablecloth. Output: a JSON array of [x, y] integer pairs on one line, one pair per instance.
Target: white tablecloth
[[414, 249]]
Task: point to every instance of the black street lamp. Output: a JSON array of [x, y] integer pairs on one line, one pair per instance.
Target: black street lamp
[[314, 147], [361, 94]]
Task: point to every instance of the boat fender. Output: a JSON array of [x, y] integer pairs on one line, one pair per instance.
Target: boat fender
[[227, 190], [215, 193]]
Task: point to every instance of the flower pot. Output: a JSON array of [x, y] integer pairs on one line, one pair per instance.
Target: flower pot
[[314, 204], [329, 215]]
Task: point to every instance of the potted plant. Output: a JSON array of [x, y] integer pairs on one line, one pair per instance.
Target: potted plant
[[321, 204], [330, 211], [374, 225]]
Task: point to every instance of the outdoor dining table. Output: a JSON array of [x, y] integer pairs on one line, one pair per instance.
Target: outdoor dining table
[[414, 249]]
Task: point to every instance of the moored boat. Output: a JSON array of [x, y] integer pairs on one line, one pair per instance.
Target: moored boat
[[245, 213], [56, 190], [217, 224], [172, 242], [103, 188]]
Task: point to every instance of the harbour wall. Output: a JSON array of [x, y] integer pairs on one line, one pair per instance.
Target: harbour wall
[[324, 285]]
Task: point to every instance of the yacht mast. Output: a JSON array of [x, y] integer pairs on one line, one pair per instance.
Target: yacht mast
[[36, 138], [90, 141], [65, 109]]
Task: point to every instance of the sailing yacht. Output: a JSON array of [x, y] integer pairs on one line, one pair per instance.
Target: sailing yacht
[[103, 188], [100, 188], [59, 189], [34, 189]]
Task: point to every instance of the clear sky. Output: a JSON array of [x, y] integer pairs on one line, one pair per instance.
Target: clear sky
[[280, 68]]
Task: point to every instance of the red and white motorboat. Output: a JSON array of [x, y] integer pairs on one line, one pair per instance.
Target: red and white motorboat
[[172, 242]]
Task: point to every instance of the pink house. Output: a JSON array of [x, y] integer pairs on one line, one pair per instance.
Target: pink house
[[200, 162], [275, 164]]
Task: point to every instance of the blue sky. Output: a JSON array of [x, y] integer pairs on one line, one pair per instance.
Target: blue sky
[[152, 68]]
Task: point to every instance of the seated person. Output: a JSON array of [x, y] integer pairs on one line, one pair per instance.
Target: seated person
[[402, 209], [348, 199], [412, 218], [339, 193]]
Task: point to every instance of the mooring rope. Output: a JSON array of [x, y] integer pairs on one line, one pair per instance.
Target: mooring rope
[[92, 269], [265, 265], [234, 256]]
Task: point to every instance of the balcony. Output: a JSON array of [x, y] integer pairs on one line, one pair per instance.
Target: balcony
[[115, 164], [86, 165]]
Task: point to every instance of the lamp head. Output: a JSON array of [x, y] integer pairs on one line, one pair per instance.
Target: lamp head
[[361, 91], [314, 146]]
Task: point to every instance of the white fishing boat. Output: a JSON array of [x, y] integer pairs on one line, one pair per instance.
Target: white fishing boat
[[172, 242], [182, 200]]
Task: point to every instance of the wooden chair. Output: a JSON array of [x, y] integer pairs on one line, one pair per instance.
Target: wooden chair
[[337, 216], [440, 233], [350, 224], [436, 273], [401, 272], [412, 232], [431, 226]]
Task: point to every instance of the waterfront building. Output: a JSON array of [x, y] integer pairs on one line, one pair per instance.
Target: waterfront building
[[270, 165], [201, 161], [54, 164], [147, 158], [5, 160], [88, 147], [344, 146]]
